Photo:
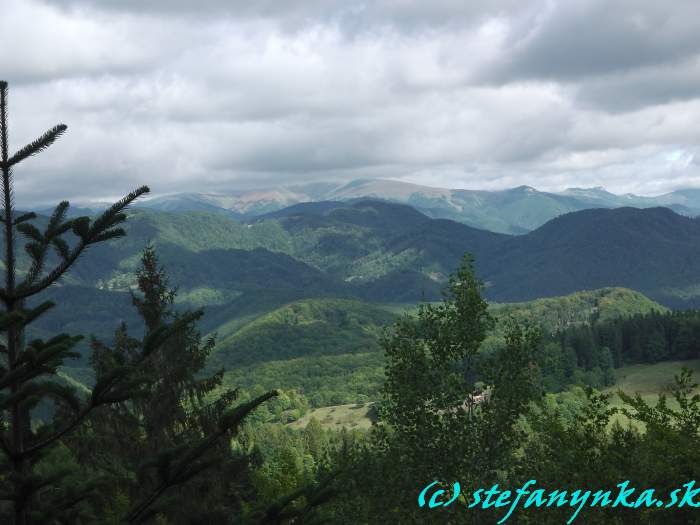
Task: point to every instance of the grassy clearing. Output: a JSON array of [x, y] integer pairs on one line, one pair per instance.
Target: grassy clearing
[[652, 379], [649, 381], [339, 416]]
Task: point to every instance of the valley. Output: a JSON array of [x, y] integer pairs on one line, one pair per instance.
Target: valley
[[328, 349], [299, 298]]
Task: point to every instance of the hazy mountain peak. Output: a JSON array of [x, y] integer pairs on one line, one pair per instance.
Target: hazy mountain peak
[[515, 211], [525, 189], [594, 190], [386, 189]]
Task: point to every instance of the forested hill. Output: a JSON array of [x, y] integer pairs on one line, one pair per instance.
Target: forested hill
[[379, 251], [326, 347], [653, 250]]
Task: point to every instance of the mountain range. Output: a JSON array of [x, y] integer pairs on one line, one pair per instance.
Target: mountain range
[[517, 210], [385, 252], [302, 293]]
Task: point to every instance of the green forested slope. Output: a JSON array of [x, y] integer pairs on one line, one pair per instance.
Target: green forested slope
[[328, 348], [556, 313], [306, 328], [386, 252]]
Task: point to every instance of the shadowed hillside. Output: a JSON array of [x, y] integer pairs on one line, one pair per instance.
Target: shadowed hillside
[[386, 252]]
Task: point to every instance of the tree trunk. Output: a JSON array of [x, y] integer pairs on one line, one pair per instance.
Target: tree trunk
[[14, 333]]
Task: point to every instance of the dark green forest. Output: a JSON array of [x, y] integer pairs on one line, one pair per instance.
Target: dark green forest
[[386, 252]]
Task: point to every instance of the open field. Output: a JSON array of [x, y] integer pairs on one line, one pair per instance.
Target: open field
[[355, 415], [649, 381], [652, 379]]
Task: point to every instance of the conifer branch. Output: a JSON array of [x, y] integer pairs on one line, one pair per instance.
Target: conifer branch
[[186, 467], [5, 445], [37, 145], [24, 217], [314, 495], [102, 229], [40, 445], [6, 195]]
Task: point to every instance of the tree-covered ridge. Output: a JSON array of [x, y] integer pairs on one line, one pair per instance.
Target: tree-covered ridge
[[357, 324], [328, 348], [389, 252], [310, 327], [352, 370], [321, 380], [554, 314]]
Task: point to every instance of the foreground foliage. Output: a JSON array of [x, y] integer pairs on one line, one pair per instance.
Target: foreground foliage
[[41, 481]]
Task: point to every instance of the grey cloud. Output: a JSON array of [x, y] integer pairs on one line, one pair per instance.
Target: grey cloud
[[639, 88], [41, 44], [352, 16], [581, 38], [243, 94]]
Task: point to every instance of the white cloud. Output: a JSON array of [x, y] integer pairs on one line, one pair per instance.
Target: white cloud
[[478, 94]]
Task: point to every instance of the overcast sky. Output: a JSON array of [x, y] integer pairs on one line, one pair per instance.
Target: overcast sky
[[210, 95]]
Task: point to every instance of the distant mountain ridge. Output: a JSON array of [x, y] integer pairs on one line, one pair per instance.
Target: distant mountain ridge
[[516, 210], [381, 251]]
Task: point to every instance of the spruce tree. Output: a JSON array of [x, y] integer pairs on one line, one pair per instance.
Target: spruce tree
[[168, 454], [28, 368], [179, 431]]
